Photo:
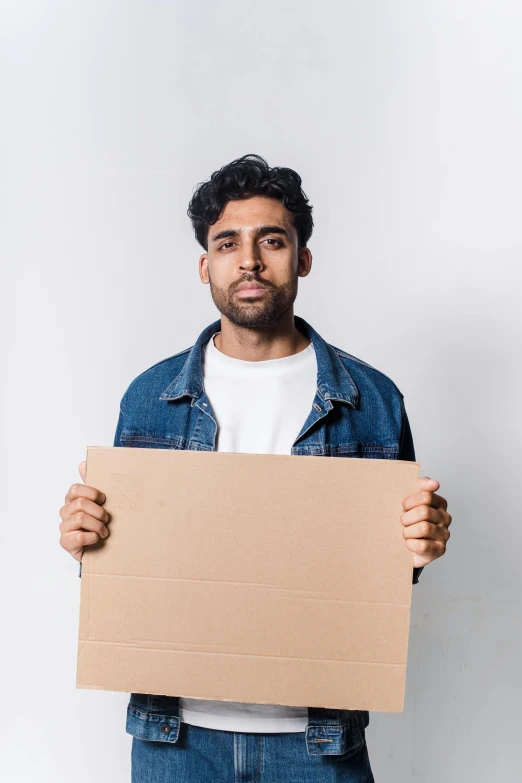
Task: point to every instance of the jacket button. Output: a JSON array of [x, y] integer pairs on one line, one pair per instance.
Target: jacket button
[[166, 729]]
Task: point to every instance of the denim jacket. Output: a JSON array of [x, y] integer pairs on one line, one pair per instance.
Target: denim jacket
[[357, 411]]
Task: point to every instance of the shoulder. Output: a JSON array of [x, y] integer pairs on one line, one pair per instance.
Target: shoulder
[[156, 377], [367, 377]]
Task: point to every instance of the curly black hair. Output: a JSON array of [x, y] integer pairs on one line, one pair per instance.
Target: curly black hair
[[244, 177]]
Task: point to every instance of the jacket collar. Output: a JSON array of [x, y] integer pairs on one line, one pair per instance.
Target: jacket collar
[[333, 379]]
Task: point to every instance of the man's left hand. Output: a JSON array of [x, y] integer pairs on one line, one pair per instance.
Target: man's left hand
[[425, 522]]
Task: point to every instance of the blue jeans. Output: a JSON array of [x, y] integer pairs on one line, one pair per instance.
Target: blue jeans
[[204, 755]]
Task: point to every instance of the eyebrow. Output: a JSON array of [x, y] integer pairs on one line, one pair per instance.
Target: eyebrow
[[260, 231]]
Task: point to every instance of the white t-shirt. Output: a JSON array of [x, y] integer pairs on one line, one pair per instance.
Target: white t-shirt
[[260, 408]]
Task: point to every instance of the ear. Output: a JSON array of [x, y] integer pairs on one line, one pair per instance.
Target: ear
[[203, 268], [304, 261]]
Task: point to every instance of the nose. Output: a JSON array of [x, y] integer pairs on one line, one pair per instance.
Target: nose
[[250, 263], [250, 260]]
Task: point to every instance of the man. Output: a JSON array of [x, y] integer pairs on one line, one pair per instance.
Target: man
[[258, 380]]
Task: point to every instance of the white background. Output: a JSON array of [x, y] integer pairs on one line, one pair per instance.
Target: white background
[[404, 120]]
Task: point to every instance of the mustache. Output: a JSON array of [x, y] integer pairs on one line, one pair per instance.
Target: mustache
[[251, 280]]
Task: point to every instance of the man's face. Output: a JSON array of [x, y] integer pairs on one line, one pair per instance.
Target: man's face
[[255, 242]]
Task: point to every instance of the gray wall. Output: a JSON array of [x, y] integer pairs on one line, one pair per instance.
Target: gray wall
[[404, 120]]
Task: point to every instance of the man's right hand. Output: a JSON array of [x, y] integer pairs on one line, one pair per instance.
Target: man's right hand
[[83, 518]]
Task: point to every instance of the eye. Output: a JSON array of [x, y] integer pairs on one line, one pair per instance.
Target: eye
[[273, 240], [226, 243]]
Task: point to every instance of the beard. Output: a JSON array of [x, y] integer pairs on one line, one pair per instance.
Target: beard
[[258, 312]]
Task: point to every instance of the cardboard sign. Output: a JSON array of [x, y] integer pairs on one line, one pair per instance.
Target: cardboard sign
[[260, 578]]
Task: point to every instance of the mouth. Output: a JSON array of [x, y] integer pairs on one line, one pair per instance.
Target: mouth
[[250, 289]]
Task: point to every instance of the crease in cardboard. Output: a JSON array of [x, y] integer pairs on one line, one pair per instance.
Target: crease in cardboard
[[173, 648], [248, 584]]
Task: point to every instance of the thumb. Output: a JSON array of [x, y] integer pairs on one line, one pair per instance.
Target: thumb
[[425, 482], [83, 470]]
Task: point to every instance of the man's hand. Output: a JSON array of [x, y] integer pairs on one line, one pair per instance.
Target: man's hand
[[83, 518], [426, 522]]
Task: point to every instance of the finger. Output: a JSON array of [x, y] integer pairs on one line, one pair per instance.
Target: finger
[[424, 481], [83, 470], [422, 514], [426, 547], [424, 497], [83, 521], [90, 507], [82, 490], [85, 506], [424, 530], [77, 539]]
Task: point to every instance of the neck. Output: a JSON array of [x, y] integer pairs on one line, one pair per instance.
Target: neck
[[258, 344]]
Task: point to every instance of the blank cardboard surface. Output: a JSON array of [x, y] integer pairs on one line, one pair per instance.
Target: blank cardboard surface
[[260, 578]]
